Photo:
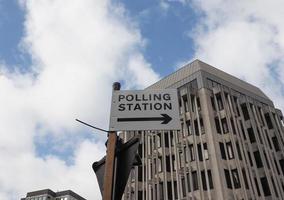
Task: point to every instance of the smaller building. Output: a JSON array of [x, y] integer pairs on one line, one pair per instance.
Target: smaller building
[[48, 194]]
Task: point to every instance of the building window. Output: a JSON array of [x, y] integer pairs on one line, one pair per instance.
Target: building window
[[200, 155], [258, 160], [251, 135], [230, 150], [169, 190], [185, 102], [203, 178], [180, 106], [213, 103], [196, 127], [175, 190], [167, 140], [265, 186], [191, 152], [233, 126], [198, 103], [188, 124], [188, 182], [268, 121], [243, 131], [236, 179], [275, 143], [228, 178], [205, 150], [210, 179], [194, 180], [168, 163], [239, 150], [192, 103], [217, 124], [183, 187], [160, 166], [185, 154], [282, 165], [222, 150], [219, 101], [245, 111], [225, 125], [173, 162]]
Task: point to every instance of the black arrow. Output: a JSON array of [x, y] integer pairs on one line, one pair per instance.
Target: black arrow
[[165, 119]]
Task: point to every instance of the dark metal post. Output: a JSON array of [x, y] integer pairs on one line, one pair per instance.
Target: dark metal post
[[110, 159]]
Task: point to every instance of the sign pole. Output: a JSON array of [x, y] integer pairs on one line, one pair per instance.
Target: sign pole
[[110, 159]]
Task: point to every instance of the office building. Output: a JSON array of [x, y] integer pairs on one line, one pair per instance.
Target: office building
[[231, 145], [48, 194]]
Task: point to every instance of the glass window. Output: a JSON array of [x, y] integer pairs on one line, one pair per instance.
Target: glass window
[[275, 143], [188, 182], [183, 187], [200, 156], [251, 135], [185, 101], [217, 124], [245, 111], [222, 150], [205, 150], [210, 179], [268, 120], [233, 126], [224, 125], [219, 101], [239, 150], [188, 124], [265, 186], [198, 103], [213, 103], [230, 150], [282, 165], [236, 180], [203, 178], [196, 127], [228, 178], [191, 152], [194, 180], [257, 158]]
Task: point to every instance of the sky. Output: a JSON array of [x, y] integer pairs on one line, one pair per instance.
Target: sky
[[58, 60]]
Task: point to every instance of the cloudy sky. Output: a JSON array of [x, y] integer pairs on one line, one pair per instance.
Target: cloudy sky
[[59, 58]]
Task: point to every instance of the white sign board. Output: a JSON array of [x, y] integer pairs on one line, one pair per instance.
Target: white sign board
[[144, 110]]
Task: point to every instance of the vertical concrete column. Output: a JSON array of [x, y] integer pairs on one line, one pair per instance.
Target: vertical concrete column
[[208, 119]]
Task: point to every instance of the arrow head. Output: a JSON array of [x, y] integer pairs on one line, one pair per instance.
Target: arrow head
[[166, 119]]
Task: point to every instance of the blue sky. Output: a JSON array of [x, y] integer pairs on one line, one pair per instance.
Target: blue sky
[[58, 60], [164, 29]]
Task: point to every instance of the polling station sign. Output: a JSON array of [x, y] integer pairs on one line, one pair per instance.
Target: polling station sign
[[144, 110]]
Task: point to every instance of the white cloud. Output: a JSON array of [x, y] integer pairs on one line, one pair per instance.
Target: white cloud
[[79, 48], [244, 38]]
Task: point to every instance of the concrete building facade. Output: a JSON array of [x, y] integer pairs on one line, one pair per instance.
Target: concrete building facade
[[48, 194], [231, 145]]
